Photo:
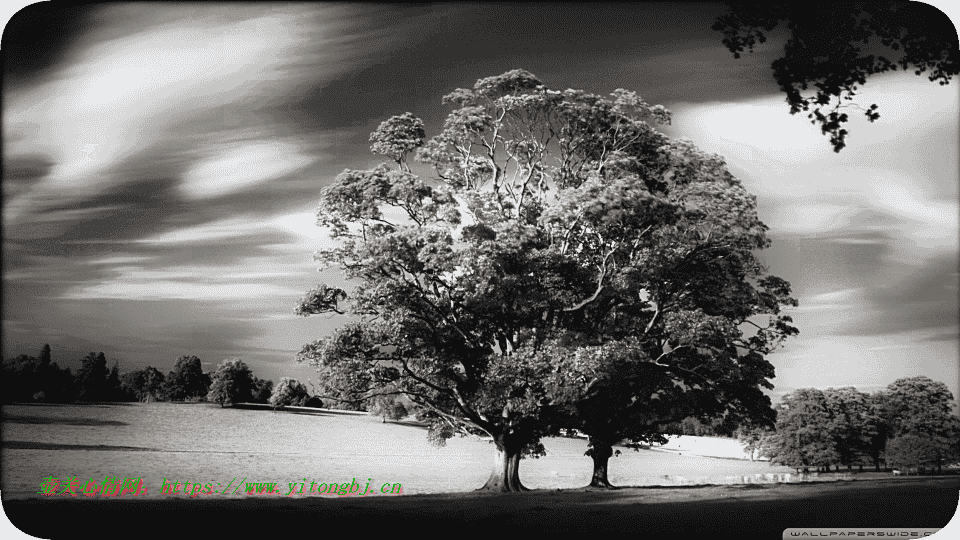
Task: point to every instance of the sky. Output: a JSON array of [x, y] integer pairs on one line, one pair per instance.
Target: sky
[[162, 164]]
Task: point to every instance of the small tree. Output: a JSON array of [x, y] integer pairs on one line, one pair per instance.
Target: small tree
[[755, 440], [232, 382], [289, 392], [388, 406], [132, 384]]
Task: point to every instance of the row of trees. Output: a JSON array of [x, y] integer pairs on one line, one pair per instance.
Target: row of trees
[[27, 378], [716, 427], [565, 266], [910, 424]]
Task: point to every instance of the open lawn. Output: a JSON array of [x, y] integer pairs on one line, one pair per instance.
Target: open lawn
[[206, 443]]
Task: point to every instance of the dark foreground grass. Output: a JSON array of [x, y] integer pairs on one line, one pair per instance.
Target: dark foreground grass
[[752, 510]]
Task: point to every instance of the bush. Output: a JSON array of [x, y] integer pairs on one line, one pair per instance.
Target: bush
[[289, 392]]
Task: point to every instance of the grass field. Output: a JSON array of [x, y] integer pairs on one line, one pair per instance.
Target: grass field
[[438, 483], [746, 511]]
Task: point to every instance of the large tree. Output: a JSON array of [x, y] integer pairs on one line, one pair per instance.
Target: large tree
[[187, 380], [144, 384], [835, 47], [803, 437], [852, 426], [232, 382], [878, 427], [558, 226], [262, 389], [921, 407], [92, 378], [672, 235]]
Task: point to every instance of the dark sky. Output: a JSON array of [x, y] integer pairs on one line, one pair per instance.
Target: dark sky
[[162, 163]]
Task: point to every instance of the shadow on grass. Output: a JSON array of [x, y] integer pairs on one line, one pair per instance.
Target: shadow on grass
[[687, 511], [29, 445], [26, 419]]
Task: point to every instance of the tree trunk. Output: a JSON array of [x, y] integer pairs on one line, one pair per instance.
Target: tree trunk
[[600, 452], [505, 476]]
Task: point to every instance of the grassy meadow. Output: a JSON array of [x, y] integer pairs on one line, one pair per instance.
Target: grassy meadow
[[200, 442]]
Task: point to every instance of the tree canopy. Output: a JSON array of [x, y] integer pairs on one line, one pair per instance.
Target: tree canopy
[[262, 390], [187, 380], [565, 263], [803, 437], [821, 428], [920, 408], [144, 384], [29, 378], [289, 392], [92, 378], [835, 47], [232, 382]]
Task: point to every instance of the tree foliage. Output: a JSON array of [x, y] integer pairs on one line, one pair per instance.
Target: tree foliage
[[803, 437], [820, 428], [852, 425], [232, 382], [918, 407], [755, 439], [187, 380], [834, 49], [92, 378], [566, 257], [261, 391], [289, 392], [911, 451], [388, 406], [28, 378], [144, 385]]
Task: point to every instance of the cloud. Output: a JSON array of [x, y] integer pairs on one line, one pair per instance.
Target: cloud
[[196, 94], [186, 283], [832, 300], [216, 230], [131, 288], [117, 260], [240, 165], [118, 92]]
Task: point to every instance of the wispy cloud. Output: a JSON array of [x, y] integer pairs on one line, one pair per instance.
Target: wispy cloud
[[239, 165]]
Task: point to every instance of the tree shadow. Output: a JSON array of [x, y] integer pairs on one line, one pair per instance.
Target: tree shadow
[[27, 419]]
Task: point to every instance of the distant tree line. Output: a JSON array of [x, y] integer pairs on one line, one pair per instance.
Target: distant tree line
[[39, 379], [909, 425], [715, 427]]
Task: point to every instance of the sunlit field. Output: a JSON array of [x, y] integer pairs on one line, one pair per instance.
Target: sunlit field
[[204, 443]]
